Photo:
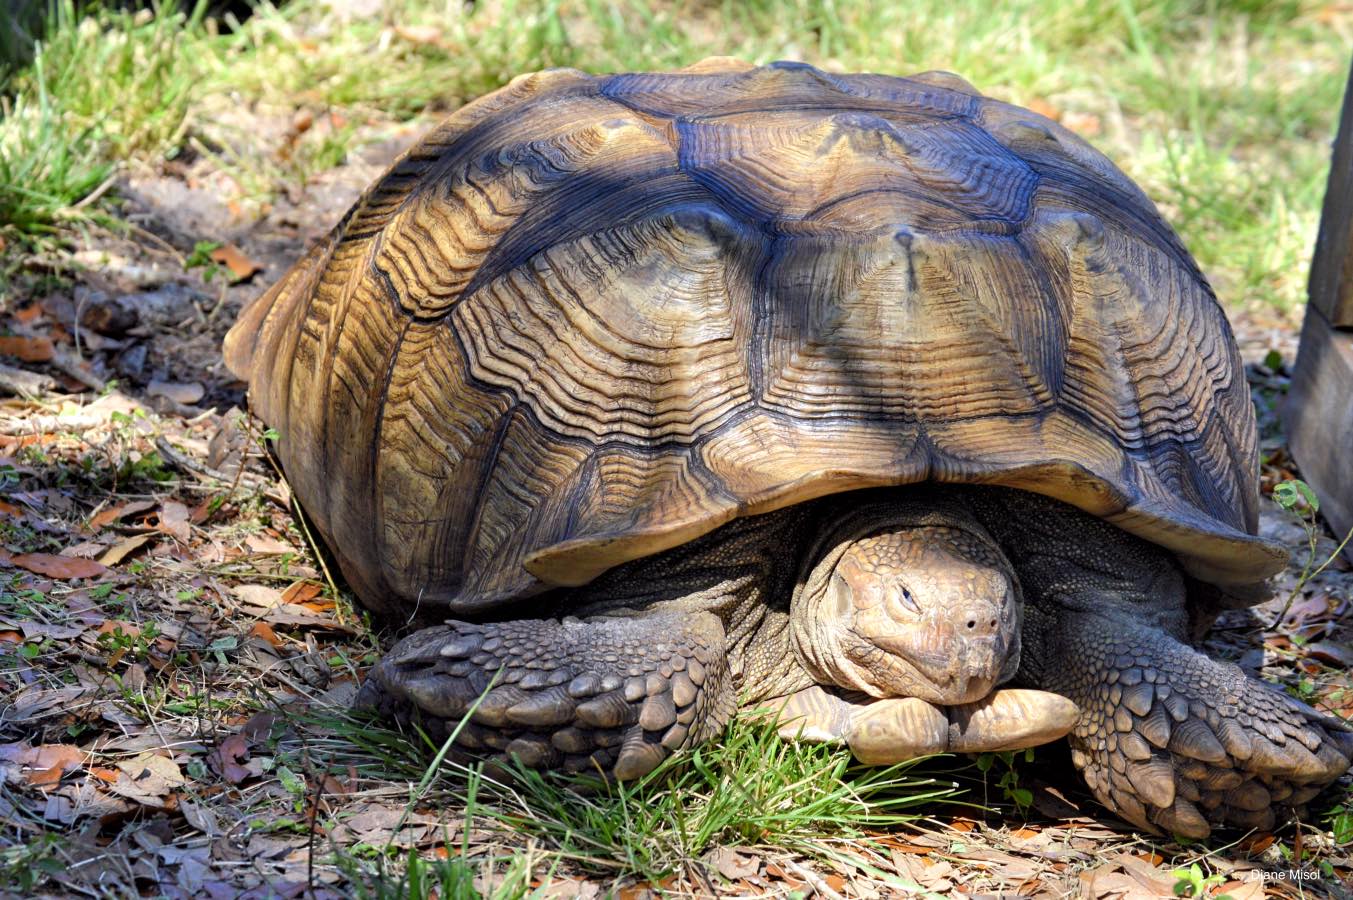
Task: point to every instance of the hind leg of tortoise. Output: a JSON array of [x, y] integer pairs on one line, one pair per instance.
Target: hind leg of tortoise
[[613, 695], [1174, 741]]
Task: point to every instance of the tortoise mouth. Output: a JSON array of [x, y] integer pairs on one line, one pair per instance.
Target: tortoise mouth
[[936, 676]]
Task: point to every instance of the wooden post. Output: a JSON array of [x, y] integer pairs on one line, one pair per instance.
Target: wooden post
[[1319, 408]]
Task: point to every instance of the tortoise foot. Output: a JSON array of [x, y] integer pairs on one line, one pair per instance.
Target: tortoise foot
[[1176, 742], [608, 695], [893, 730]]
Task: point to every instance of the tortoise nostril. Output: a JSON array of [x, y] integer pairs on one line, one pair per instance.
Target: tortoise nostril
[[972, 623]]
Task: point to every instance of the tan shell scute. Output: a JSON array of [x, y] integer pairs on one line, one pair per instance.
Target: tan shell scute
[[589, 319]]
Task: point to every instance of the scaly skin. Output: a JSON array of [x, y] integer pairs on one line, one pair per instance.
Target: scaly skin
[[893, 599], [1169, 739], [904, 595]]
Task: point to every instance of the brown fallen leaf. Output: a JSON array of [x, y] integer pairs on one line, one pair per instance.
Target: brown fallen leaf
[[123, 548], [732, 864], [1148, 875], [1255, 844], [264, 631], [110, 514], [226, 760], [174, 518], [148, 779], [260, 543], [234, 259], [55, 632], [41, 766], [774, 870], [301, 592], [28, 349], [1332, 653], [64, 567], [1242, 890], [258, 726], [259, 595]]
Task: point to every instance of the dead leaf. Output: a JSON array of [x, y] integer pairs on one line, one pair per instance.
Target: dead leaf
[[264, 631], [1309, 607], [259, 543], [301, 592], [186, 393], [123, 548], [1242, 890], [1331, 652], [201, 817], [258, 726], [41, 766], [84, 550], [234, 259], [259, 595], [174, 518], [1146, 874], [773, 870], [149, 780], [28, 349], [226, 760], [732, 864], [55, 632], [111, 514], [63, 567], [1257, 843]]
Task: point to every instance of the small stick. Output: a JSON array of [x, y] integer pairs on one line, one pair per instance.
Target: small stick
[[22, 383]]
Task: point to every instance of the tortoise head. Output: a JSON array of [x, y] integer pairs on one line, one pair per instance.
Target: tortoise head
[[911, 610]]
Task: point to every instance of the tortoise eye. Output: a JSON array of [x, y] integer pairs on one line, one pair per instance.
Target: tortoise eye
[[908, 600]]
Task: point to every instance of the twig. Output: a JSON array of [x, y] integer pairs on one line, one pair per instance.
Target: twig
[[49, 424], [94, 195], [73, 368], [184, 462], [22, 383], [819, 885]]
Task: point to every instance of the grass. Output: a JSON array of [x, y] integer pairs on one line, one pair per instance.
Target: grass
[[747, 788], [1221, 110]]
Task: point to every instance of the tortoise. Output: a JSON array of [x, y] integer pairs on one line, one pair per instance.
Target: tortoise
[[862, 397]]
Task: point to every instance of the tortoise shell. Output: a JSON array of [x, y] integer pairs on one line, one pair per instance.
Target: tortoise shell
[[588, 319]]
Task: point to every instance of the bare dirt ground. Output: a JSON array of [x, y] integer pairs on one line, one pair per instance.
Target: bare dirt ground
[[174, 655]]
